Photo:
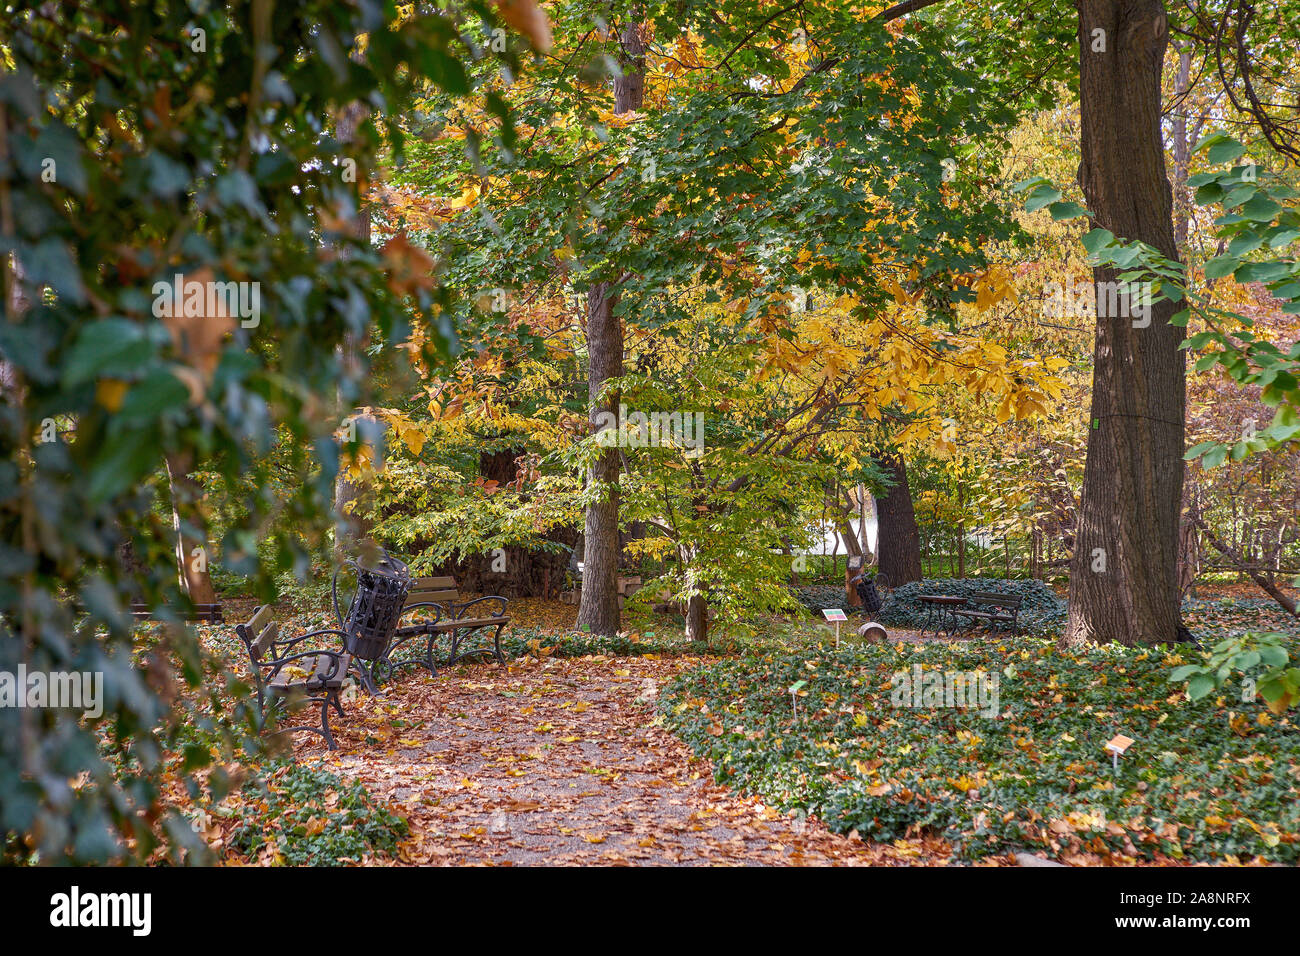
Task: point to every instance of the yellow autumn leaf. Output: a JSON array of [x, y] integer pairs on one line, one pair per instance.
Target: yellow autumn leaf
[[109, 392], [468, 197]]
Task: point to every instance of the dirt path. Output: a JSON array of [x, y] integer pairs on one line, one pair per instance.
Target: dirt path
[[560, 762]]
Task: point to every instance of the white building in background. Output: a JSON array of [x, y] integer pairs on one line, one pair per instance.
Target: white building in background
[[831, 542]]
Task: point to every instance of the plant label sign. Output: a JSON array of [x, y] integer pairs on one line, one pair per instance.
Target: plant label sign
[[1119, 743], [1116, 746], [833, 614]]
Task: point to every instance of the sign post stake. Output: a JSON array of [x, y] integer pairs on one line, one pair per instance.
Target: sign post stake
[[835, 614]]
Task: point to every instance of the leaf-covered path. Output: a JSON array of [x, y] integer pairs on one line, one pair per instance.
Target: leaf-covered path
[[561, 762]]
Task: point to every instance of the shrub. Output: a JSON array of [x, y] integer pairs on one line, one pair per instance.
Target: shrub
[[306, 816], [1208, 779], [1041, 612]]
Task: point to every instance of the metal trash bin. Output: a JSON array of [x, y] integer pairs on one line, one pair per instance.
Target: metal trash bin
[[376, 606]]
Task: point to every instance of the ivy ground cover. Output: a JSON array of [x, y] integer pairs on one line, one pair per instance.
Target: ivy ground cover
[[1214, 780]]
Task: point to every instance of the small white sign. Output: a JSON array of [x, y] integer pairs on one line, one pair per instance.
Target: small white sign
[[833, 614]]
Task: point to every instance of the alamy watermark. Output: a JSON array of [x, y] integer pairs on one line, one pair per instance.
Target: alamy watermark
[[133, 911], [977, 690], [72, 690], [1126, 300], [242, 300], [651, 430]]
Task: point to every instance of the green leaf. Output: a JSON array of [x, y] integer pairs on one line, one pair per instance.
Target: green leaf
[[1272, 655], [1199, 686], [108, 346], [1214, 457], [1260, 209], [1221, 266], [1225, 151], [1097, 239], [157, 392], [124, 459], [1067, 210], [1040, 197]]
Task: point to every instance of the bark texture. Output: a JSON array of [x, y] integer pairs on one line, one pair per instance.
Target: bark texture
[[598, 608], [1133, 476], [898, 540]]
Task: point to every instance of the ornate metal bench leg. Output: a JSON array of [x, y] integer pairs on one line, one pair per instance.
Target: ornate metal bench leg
[[496, 645], [325, 723], [428, 655], [363, 674]]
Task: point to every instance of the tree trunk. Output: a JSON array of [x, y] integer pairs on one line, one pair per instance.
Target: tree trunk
[[598, 608], [1183, 144], [1189, 543], [1133, 475], [349, 527], [697, 619], [191, 551], [864, 508], [898, 540]]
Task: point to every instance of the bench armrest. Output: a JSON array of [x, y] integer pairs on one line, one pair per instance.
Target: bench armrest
[[458, 610], [440, 611], [336, 658], [289, 643]]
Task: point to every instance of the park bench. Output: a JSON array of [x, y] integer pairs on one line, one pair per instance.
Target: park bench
[[288, 678], [209, 613], [434, 607], [993, 608]]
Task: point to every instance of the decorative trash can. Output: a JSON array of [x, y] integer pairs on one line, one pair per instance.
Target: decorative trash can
[[376, 607]]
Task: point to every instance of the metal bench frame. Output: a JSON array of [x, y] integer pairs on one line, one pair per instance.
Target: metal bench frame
[[995, 608], [451, 616], [276, 692]]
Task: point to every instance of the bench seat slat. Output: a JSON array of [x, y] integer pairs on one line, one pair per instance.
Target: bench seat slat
[[433, 597], [455, 624], [442, 583]]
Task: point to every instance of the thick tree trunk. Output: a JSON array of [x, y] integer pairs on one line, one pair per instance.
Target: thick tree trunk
[[1133, 476], [898, 540], [191, 551], [697, 619], [598, 608]]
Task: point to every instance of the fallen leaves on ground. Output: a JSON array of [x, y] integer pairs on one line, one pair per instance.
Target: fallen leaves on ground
[[562, 762]]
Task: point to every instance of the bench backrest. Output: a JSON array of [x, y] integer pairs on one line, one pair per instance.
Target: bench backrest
[[211, 613], [259, 633], [432, 591], [996, 599]]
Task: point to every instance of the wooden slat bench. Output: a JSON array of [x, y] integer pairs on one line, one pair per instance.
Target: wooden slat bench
[[434, 608], [994, 608], [287, 678], [210, 613]]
